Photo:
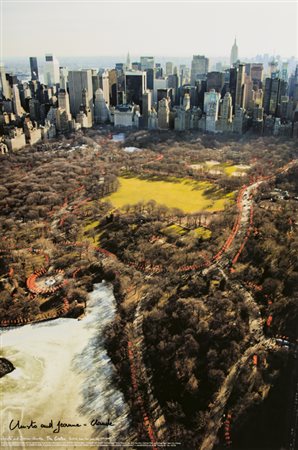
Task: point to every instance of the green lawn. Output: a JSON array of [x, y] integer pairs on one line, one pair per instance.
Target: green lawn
[[229, 170], [203, 233], [224, 167], [185, 194], [90, 226], [89, 233], [173, 230]]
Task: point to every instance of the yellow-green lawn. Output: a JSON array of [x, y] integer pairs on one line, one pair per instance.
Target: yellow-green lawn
[[88, 232], [173, 230], [203, 233], [225, 168], [186, 195], [91, 225]]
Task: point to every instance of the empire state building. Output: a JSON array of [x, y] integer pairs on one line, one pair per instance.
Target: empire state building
[[234, 53]]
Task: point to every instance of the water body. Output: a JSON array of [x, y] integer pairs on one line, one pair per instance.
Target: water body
[[131, 149], [119, 137], [63, 373]]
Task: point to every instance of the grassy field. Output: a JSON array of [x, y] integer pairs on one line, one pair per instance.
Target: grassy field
[[90, 226], [202, 233], [176, 231], [224, 168], [230, 170], [173, 231], [89, 233], [187, 195]]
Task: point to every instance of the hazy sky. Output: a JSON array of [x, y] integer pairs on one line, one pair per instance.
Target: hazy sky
[[169, 28]]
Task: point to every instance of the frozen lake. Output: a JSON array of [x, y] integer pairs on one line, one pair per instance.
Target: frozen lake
[[131, 149], [63, 373], [120, 137]]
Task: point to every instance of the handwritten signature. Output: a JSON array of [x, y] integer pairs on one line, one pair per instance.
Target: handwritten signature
[[56, 427]]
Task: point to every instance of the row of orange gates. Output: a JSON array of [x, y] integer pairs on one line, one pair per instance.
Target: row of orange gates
[[149, 427], [227, 429], [33, 287]]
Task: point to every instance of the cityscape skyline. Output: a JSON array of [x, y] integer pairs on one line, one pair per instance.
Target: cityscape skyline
[[118, 27], [232, 94]]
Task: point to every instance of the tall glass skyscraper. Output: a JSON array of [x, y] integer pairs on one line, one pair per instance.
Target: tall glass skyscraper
[[33, 68], [51, 75]]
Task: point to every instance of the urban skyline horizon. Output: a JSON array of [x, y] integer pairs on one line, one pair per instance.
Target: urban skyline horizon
[[152, 54], [107, 62], [21, 66]]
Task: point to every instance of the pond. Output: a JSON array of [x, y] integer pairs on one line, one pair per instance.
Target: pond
[[63, 373], [120, 137]]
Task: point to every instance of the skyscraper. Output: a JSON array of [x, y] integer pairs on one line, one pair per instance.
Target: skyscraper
[[240, 120], [163, 114], [266, 98], [147, 62], [4, 84], [63, 124], [106, 86], [226, 112], [101, 111], [17, 108], [258, 113], [199, 68], [77, 81], [135, 86], [199, 92], [272, 95], [249, 92], [96, 80], [158, 71], [51, 74], [240, 86], [169, 68], [147, 105], [63, 101], [186, 101], [150, 78], [85, 108], [33, 68], [182, 74], [232, 84], [63, 77], [34, 109], [128, 64], [119, 68], [284, 71], [159, 83], [173, 82], [63, 116], [234, 53], [258, 97], [136, 65], [112, 87], [215, 80], [211, 107], [293, 83], [210, 99], [283, 107], [256, 73], [273, 68]]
